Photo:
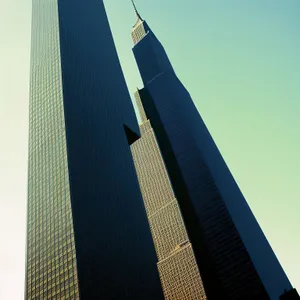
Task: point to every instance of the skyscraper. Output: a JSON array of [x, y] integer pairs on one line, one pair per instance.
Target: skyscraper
[[234, 257], [88, 235], [178, 269]]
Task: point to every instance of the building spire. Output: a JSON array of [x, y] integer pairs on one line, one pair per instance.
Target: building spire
[[136, 11]]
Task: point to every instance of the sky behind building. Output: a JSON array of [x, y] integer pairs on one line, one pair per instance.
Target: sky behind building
[[240, 62]]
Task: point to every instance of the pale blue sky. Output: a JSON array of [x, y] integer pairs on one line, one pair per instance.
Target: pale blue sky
[[240, 61]]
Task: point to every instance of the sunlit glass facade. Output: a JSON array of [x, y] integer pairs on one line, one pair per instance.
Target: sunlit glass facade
[[51, 258], [85, 240], [177, 266], [233, 255]]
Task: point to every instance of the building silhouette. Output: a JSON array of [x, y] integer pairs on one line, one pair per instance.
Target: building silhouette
[[290, 295], [177, 266], [87, 233], [233, 255]]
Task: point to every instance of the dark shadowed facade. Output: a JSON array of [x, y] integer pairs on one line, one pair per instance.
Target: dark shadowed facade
[[88, 235], [234, 257]]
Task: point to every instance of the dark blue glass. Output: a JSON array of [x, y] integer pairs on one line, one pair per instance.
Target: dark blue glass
[[234, 257], [114, 248]]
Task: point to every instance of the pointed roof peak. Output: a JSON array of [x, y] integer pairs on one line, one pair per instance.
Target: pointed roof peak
[[136, 11]]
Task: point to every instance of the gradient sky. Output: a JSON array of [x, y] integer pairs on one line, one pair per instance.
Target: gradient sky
[[240, 61]]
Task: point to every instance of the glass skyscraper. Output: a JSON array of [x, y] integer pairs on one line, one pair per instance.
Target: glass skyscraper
[[88, 235], [177, 265], [234, 258]]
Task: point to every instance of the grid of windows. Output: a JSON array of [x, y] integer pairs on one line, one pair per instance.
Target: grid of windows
[[179, 275], [155, 184], [177, 266], [51, 259], [142, 112], [231, 259], [138, 31], [221, 224], [167, 223]]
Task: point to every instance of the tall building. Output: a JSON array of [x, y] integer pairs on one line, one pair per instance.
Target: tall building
[[88, 235], [177, 265], [234, 257]]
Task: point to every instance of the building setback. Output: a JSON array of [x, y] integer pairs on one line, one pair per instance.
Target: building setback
[[233, 255], [177, 266], [88, 235]]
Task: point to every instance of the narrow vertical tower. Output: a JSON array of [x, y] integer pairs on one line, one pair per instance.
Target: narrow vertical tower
[[234, 257], [177, 265], [88, 235]]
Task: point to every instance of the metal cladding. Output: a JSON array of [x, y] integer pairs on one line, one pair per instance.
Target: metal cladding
[[177, 265], [234, 258], [88, 235]]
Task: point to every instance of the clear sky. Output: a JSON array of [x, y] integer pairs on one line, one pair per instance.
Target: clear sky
[[240, 61]]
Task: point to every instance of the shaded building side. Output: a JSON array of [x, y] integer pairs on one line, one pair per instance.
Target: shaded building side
[[85, 239], [233, 255]]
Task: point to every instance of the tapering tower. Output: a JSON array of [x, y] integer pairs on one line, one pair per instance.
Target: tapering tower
[[233, 255], [88, 235], [140, 28], [177, 266]]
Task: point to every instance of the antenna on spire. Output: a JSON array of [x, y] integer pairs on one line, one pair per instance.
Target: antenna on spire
[[136, 11]]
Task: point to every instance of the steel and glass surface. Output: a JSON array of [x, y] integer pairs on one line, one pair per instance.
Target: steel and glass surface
[[88, 235], [234, 257], [177, 265]]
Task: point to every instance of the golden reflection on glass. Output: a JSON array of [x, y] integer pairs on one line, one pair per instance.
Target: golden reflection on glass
[[51, 260], [177, 266]]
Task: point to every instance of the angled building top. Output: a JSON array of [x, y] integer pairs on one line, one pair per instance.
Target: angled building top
[[137, 14], [140, 28]]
